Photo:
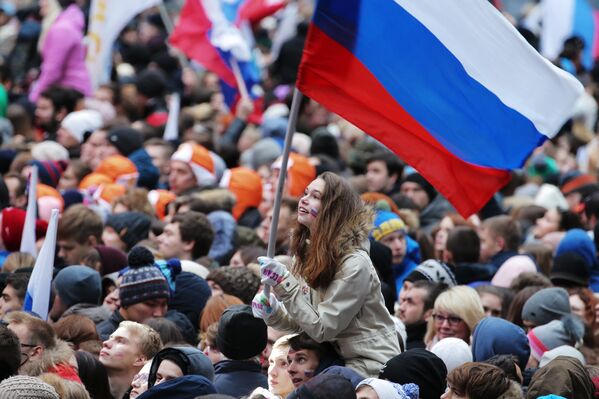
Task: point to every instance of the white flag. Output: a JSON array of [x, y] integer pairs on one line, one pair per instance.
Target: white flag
[[28, 236], [37, 298], [171, 130], [107, 18]]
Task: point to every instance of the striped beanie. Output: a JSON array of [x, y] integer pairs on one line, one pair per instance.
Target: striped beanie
[[386, 223], [200, 160], [143, 281]]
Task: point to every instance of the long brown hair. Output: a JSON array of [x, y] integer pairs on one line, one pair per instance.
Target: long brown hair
[[317, 254]]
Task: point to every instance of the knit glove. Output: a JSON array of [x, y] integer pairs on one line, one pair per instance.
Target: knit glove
[[263, 307], [272, 271]]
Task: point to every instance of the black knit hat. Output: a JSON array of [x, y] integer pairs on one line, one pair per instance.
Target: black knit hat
[[132, 227], [126, 140], [420, 367], [422, 182], [241, 336], [143, 281], [570, 270]]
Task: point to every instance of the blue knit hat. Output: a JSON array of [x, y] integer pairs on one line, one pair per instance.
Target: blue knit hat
[[78, 284], [143, 281], [385, 223]]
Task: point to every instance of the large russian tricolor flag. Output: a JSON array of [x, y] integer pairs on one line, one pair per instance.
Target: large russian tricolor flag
[[448, 85], [561, 19]]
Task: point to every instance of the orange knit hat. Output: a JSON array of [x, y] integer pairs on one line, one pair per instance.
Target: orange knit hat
[[200, 161], [109, 192], [246, 185], [120, 169], [160, 200], [93, 181], [372, 198], [300, 172]]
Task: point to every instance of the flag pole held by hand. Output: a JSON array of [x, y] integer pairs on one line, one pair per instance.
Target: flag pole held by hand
[[272, 237]]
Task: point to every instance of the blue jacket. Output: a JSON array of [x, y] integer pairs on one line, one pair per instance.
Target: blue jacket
[[409, 263], [148, 173], [238, 377]]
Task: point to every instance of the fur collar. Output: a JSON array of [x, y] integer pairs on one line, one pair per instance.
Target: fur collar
[[354, 234]]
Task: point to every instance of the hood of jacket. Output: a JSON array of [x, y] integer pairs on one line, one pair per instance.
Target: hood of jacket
[[195, 361], [186, 387], [60, 354], [354, 234], [494, 336], [563, 376]]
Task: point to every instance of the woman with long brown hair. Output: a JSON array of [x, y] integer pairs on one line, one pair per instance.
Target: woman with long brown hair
[[332, 291]]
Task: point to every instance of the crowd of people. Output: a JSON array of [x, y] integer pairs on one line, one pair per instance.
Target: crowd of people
[[379, 289]]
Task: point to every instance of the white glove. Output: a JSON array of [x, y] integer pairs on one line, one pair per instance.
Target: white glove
[[263, 307], [271, 271]]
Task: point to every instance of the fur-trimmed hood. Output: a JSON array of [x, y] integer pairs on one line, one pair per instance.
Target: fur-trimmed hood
[[354, 234], [61, 353]]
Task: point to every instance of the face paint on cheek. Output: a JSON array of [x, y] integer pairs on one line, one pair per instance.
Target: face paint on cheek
[[309, 373], [313, 212]]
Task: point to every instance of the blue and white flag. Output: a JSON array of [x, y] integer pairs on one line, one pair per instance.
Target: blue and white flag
[[37, 298]]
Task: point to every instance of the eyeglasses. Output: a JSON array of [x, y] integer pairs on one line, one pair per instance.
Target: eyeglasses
[[24, 355], [452, 320]]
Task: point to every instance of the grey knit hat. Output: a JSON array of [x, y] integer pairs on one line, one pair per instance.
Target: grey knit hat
[[546, 305], [567, 331], [25, 387]]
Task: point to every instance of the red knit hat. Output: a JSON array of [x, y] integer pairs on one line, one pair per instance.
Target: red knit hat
[[13, 222], [246, 185]]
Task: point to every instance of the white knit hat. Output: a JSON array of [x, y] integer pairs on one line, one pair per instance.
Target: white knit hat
[[79, 122], [25, 387], [453, 351]]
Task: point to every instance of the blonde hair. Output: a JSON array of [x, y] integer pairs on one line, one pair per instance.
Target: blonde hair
[[281, 346], [460, 301], [148, 339]]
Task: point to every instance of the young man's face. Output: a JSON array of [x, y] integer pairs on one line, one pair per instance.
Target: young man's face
[[144, 310], [121, 351], [377, 177], [181, 177], [44, 114], [171, 245], [9, 301], [396, 242], [416, 193], [159, 156], [302, 365], [72, 252], [411, 308]]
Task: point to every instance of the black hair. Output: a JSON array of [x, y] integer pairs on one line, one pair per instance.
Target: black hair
[[392, 162], [464, 244], [10, 353], [93, 375]]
